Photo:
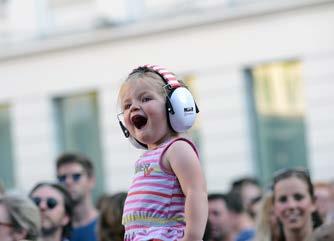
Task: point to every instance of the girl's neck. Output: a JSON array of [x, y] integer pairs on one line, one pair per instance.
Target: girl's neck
[[303, 234], [163, 140]]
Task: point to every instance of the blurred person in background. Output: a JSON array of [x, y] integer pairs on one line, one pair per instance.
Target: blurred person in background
[[242, 223], [110, 226], [324, 200], [19, 218], [251, 192], [267, 226], [2, 188], [294, 204], [218, 219], [76, 173], [101, 199], [330, 217], [56, 210], [324, 233], [207, 232]]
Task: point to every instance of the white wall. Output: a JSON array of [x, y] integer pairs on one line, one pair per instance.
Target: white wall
[[319, 75]]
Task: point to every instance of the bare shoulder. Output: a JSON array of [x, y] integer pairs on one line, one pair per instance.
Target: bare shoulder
[[181, 150]]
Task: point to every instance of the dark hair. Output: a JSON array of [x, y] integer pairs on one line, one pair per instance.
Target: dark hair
[[217, 196], [234, 202], [110, 221], [304, 175], [68, 203], [238, 183], [69, 158]]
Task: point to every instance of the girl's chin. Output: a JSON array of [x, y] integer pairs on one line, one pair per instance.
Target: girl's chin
[[294, 226]]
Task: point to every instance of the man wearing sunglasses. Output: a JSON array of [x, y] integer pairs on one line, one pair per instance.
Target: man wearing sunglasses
[[56, 209], [76, 173]]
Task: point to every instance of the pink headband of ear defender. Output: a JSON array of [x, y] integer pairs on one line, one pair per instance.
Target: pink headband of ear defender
[[169, 77]]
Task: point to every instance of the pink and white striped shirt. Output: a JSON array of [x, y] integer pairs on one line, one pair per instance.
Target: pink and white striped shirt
[[154, 207]]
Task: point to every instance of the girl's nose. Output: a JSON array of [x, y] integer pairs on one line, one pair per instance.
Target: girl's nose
[[134, 106], [291, 203]]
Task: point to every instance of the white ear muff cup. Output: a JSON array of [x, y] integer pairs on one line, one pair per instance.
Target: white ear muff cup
[[183, 115]]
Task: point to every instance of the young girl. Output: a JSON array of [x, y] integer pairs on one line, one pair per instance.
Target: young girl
[[167, 200]]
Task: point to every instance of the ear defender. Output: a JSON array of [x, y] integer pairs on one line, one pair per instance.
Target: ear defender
[[180, 105]]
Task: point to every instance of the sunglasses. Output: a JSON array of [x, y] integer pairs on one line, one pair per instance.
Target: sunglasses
[[75, 177], [287, 172], [51, 203]]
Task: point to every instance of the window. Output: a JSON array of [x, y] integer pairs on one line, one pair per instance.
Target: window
[[6, 153], [70, 15], [4, 29], [277, 108], [78, 130]]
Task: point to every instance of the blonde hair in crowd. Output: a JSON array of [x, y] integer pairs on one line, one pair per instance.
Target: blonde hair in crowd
[[263, 227], [23, 213]]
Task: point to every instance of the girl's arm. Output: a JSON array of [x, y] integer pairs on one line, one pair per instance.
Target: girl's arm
[[182, 159]]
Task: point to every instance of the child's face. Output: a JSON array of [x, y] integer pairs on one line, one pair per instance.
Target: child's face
[[145, 112]]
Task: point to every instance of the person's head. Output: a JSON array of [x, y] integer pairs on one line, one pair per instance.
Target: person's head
[[235, 208], [251, 192], [219, 221], [145, 109], [324, 198], [324, 233], [110, 221], [19, 218], [76, 173], [294, 201], [56, 208]]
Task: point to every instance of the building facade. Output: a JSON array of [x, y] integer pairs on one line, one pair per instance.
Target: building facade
[[261, 71]]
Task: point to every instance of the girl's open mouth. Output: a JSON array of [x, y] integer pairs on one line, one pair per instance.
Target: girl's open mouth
[[139, 121]]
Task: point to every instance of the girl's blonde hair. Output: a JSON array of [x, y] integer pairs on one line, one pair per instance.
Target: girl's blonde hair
[[23, 214], [151, 76]]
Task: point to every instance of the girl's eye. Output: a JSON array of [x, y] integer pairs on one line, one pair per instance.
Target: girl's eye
[[126, 106], [298, 196], [146, 99], [282, 199]]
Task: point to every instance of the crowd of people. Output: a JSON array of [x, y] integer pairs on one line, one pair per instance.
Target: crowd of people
[[292, 209], [168, 199], [62, 210]]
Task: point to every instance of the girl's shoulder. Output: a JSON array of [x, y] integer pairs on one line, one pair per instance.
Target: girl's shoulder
[[180, 144], [178, 150]]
